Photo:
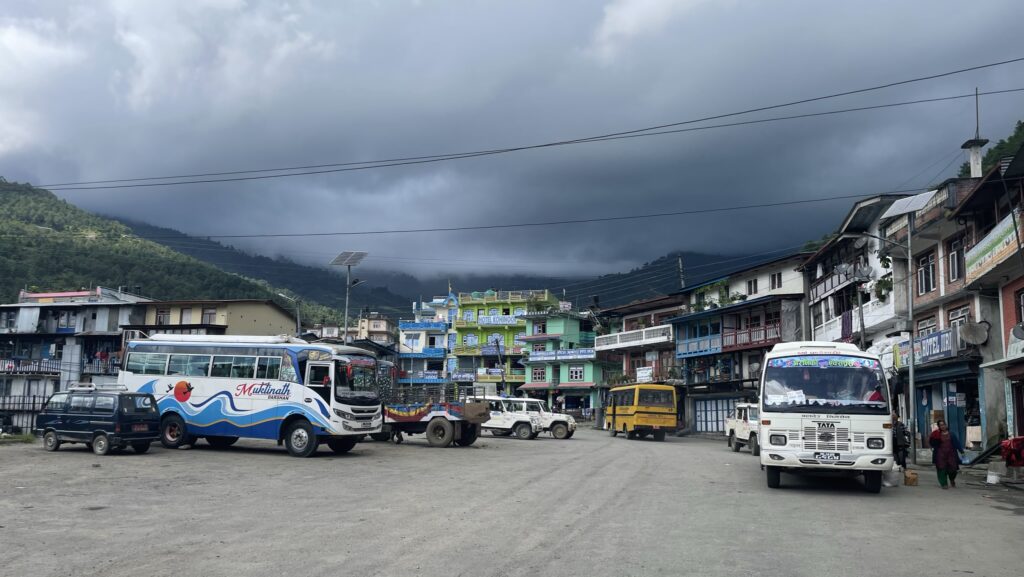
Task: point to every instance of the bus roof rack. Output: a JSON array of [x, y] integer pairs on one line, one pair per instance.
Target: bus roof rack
[[246, 339], [819, 345]]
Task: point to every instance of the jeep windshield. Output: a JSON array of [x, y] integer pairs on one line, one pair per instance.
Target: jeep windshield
[[825, 384]]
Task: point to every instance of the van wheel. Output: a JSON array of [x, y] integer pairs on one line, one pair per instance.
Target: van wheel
[[659, 436], [470, 433], [50, 441], [873, 481], [524, 431], [732, 443], [221, 442], [560, 431], [342, 445], [440, 432], [300, 440], [755, 447], [174, 433], [774, 477], [100, 444], [141, 447]]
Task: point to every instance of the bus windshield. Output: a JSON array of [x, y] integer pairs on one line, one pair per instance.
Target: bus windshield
[[825, 383], [355, 377]]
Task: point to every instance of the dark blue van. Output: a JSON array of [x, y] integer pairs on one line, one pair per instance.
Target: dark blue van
[[104, 419]]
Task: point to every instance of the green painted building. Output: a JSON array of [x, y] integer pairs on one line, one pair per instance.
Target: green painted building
[[490, 328], [561, 363]]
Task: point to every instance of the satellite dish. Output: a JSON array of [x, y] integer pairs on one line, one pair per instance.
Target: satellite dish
[[864, 271], [860, 242], [977, 333], [755, 366], [843, 269], [1018, 332]]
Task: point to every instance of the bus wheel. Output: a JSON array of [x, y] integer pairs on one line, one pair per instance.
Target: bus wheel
[[774, 477], [873, 481], [755, 448], [221, 442], [342, 445], [440, 432], [659, 436], [173, 432], [300, 440], [470, 432], [560, 431]]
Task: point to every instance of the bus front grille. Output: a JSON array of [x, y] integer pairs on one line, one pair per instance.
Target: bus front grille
[[837, 439]]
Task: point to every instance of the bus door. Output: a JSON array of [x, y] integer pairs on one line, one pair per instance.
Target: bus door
[[320, 379]]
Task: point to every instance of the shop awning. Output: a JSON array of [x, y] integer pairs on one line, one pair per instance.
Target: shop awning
[[559, 386], [943, 370]]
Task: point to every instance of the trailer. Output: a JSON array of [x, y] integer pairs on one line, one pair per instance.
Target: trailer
[[444, 413]]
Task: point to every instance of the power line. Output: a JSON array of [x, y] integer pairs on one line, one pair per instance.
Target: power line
[[648, 131]]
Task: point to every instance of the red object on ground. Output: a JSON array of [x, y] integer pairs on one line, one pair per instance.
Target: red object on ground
[[1013, 452]]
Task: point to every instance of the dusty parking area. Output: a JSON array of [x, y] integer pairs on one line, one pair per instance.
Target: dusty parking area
[[591, 505]]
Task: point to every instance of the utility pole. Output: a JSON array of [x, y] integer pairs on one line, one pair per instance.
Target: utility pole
[[682, 278]]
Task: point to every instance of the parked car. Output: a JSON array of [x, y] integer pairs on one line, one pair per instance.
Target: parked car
[[560, 425], [741, 427], [505, 420], [103, 418]]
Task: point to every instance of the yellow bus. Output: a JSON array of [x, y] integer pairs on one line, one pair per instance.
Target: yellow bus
[[641, 409]]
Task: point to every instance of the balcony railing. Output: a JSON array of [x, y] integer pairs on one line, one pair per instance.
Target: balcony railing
[[637, 338], [504, 296], [492, 321], [495, 375], [100, 368], [30, 366], [877, 315], [751, 337], [422, 326], [699, 346]]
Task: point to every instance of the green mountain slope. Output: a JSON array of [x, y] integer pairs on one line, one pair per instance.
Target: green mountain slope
[[48, 244]]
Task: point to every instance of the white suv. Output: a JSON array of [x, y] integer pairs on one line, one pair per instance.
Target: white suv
[[561, 426], [507, 419]]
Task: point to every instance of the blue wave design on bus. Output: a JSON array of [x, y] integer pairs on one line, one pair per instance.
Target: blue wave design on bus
[[229, 396]]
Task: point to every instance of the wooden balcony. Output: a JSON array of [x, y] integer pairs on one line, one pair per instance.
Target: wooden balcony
[[694, 347], [753, 337]]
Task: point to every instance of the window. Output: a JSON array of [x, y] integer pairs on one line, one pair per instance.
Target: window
[[147, 363], [137, 404], [772, 317], [163, 316], [958, 317], [412, 340], [470, 340], [775, 280], [519, 339], [575, 372], [539, 347], [209, 315], [377, 326], [268, 368], [752, 286], [1019, 297], [655, 398], [926, 273], [81, 403], [955, 252], [539, 374], [104, 404], [540, 328], [189, 365], [234, 367], [67, 320], [493, 312], [58, 402], [467, 316], [519, 311], [926, 327], [185, 317], [8, 319]]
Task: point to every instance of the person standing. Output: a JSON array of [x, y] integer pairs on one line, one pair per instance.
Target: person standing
[[946, 449], [900, 440]]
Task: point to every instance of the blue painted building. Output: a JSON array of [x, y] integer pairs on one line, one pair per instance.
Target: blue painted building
[[426, 342]]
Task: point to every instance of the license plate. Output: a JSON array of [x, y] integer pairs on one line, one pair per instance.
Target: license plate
[[656, 427], [827, 456], [366, 425], [141, 427]]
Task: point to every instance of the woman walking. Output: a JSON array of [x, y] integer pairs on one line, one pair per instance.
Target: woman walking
[[946, 449]]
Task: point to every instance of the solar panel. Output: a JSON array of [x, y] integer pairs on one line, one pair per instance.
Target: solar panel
[[909, 204], [349, 258]]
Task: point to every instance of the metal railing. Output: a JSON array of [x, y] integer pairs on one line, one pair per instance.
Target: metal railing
[[422, 394], [766, 334], [658, 334], [18, 413], [30, 366], [108, 367]]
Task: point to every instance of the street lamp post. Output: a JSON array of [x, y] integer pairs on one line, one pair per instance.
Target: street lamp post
[[348, 259], [298, 321]]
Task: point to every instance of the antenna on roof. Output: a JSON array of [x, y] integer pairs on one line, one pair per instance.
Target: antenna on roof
[[977, 115]]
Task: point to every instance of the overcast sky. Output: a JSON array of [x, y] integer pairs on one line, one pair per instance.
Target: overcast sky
[[119, 89]]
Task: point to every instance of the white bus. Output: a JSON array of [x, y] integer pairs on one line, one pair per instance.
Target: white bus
[[825, 408], [281, 388]]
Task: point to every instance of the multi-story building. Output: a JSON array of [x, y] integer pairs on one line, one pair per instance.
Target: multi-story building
[[727, 325], [489, 328], [640, 337], [215, 317], [854, 260], [561, 362], [426, 342], [376, 327], [48, 340]]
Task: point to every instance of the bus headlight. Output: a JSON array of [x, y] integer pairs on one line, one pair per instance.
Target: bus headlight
[[876, 443], [777, 440], [344, 415]]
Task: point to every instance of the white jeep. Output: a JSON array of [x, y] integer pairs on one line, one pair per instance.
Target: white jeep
[[560, 425], [506, 419], [741, 427]]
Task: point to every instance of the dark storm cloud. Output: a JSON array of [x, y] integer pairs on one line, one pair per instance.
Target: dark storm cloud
[[120, 89]]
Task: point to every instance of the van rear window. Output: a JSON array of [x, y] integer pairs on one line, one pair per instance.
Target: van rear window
[[137, 404], [104, 404]]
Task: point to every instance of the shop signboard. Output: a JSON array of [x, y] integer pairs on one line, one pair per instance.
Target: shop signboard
[[929, 348], [998, 245], [497, 320], [644, 374]]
